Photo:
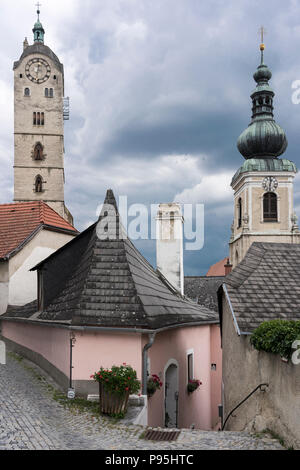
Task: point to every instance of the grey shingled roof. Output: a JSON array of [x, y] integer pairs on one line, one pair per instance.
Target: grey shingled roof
[[39, 48], [110, 284], [265, 285], [203, 290]]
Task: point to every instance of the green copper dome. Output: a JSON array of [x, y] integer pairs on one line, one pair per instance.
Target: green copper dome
[[266, 165], [263, 138]]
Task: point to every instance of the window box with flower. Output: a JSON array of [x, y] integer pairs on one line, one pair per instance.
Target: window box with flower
[[115, 386], [154, 383], [193, 385]]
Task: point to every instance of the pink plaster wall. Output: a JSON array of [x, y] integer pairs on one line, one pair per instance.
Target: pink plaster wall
[[52, 343], [93, 350], [216, 376], [196, 408]]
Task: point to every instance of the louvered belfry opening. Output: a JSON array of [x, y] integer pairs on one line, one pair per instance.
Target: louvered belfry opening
[[270, 207]]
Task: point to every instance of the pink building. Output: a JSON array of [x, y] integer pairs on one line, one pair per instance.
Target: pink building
[[101, 295]]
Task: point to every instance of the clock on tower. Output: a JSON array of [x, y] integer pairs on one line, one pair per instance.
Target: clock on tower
[[39, 114]]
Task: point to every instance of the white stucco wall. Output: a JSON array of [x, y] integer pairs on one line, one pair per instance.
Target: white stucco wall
[[22, 282], [4, 286]]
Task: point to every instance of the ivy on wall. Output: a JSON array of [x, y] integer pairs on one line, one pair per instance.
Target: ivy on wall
[[276, 336]]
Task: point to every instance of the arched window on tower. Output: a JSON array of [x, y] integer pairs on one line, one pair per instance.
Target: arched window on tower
[[270, 207], [38, 184], [38, 152], [27, 92], [240, 212]]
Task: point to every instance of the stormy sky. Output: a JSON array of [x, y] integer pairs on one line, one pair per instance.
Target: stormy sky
[[160, 91]]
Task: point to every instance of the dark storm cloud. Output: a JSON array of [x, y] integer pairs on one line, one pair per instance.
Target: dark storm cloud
[[159, 95]]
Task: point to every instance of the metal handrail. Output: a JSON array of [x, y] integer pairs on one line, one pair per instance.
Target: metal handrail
[[259, 387]]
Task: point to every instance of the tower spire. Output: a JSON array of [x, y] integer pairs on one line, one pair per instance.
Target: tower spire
[[262, 32], [38, 5], [38, 30], [263, 138]]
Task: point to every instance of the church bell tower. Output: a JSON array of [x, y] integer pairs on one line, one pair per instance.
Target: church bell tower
[[263, 186], [39, 113]]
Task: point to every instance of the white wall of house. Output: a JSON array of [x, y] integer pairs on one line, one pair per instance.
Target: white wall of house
[[4, 286], [22, 282]]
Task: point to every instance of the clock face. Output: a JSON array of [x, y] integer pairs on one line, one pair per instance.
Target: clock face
[[38, 70], [270, 183]]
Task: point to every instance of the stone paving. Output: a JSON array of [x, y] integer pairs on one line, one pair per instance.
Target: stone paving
[[30, 419]]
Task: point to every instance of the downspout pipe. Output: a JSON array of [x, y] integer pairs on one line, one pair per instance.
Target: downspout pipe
[[145, 362]]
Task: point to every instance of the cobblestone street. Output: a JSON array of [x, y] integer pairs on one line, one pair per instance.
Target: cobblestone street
[[30, 419]]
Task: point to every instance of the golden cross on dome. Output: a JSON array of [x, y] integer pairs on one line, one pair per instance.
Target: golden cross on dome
[[262, 32]]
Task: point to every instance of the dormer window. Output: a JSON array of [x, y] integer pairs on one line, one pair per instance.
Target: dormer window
[[270, 207]]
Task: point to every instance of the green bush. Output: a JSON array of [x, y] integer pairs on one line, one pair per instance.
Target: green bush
[[276, 336]]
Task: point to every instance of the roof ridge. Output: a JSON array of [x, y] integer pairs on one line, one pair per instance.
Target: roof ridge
[[243, 270]]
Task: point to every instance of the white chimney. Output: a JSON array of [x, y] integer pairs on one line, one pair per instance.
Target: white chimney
[[169, 244]]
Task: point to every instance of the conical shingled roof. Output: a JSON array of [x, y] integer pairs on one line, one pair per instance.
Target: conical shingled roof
[[112, 284]]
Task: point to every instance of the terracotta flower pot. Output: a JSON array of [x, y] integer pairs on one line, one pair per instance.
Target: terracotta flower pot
[[112, 403]]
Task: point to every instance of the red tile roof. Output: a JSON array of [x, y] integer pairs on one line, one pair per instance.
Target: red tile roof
[[217, 269], [18, 221]]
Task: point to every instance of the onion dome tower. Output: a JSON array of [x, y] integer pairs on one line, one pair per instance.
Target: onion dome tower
[[263, 138], [263, 186]]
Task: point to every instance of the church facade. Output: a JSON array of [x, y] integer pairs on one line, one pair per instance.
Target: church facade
[[39, 114]]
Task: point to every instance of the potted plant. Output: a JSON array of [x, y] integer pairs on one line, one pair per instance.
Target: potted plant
[[115, 386], [154, 383], [193, 385]]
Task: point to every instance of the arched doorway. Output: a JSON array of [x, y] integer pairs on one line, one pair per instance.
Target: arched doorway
[[171, 396]]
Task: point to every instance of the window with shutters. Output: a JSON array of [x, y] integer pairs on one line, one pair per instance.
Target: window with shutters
[[270, 207]]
